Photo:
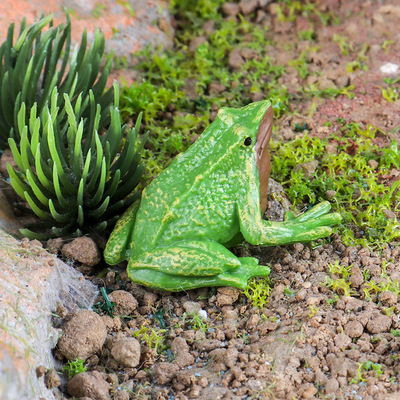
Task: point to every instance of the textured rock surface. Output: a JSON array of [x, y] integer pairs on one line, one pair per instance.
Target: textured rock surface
[[127, 26], [32, 283]]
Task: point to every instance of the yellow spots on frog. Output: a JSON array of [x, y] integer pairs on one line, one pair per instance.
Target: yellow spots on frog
[[226, 116], [240, 131], [260, 114]]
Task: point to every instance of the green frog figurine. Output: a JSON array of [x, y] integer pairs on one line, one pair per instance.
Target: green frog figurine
[[210, 198]]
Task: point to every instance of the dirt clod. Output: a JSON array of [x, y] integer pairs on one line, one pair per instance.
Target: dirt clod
[[83, 335], [125, 303], [52, 379], [84, 250], [89, 384], [126, 351], [379, 323]]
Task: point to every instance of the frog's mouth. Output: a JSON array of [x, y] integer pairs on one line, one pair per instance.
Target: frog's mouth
[[263, 161]]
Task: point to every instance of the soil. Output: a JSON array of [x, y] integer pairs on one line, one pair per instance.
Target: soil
[[310, 340]]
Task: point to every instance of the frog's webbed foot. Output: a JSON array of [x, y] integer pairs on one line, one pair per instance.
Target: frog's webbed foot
[[313, 224], [193, 264]]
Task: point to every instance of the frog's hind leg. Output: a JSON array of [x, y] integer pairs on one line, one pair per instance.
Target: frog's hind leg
[[175, 283], [193, 264]]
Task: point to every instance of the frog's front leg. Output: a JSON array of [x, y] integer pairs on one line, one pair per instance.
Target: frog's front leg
[[193, 264], [313, 224], [118, 245]]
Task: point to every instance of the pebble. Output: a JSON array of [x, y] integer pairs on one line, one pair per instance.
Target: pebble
[[331, 386], [226, 296], [125, 303], [126, 351], [354, 329], [379, 324], [235, 60], [230, 9], [164, 372]]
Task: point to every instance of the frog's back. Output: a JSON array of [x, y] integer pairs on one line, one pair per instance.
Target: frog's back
[[195, 197], [192, 198]]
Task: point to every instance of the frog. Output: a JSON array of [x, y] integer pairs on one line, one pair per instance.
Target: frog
[[213, 196]]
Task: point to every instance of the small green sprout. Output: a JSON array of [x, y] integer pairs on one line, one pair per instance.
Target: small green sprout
[[196, 322], [152, 337], [312, 310], [288, 292], [107, 305], [390, 94], [395, 332], [364, 367], [74, 367], [339, 279], [258, 291]]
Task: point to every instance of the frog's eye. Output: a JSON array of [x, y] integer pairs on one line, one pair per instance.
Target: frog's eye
[[247, 141]]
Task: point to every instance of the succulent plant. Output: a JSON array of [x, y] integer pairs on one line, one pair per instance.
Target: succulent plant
[[74, 178], [38, 62]]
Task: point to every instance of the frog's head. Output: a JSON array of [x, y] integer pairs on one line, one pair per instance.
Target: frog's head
[[252, 126]]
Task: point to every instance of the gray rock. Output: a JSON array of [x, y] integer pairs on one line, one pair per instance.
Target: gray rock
[[32, 284]]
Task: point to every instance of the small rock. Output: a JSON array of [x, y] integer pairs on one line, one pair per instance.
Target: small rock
[[180, 350], [125, 303], [388, 298], [330, 194], [6, 158], [216, 87], [389, 68], [121, 395], [310, 392], [356, 277], [248, 54], [84, 250], [40, 370], [84, 334], [248, 6], [389, 213], [191, 307], [235, 60], [331, 386], [164, 372], [126, 351], [52, 379], [308, 168], [54, 245], [230, 9], [342, 341], [298, 247], [196, 42], [379, 324], [226, 296], [343, 81], [89, 384], [230, 356], [252, 323], [354, 329], [373, 164]]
